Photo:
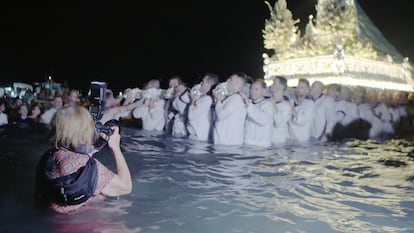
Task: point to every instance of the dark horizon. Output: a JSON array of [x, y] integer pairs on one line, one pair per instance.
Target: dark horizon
[[127, 45]]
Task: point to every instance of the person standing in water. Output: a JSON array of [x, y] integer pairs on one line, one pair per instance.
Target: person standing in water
[[73, 135], [300, 125], [230, 112], [200, 118], [282, 111], [259, 121]]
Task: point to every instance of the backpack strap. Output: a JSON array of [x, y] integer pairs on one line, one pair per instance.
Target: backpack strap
[[74, 188]]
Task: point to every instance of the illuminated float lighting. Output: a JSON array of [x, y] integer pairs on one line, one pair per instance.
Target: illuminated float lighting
[[351, 81], [351, 71]]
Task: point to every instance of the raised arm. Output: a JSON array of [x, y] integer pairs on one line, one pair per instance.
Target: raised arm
[[121, 183]]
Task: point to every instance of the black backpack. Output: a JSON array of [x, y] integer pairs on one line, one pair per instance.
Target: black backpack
[[74, 188]]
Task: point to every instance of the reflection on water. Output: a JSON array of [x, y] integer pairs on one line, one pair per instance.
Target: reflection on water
[[186, 186], [105, 217]]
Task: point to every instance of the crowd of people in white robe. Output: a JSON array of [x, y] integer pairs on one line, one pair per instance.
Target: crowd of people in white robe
[[237, 112]]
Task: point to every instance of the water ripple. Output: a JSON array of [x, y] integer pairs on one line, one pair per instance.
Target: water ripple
[[180, 185]]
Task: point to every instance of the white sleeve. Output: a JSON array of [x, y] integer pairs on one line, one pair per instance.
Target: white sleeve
[[230, 106], [262, 114], [283, 115], [200, 107]]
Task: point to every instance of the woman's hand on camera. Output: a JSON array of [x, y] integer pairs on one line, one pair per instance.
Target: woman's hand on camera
[[114, 139]]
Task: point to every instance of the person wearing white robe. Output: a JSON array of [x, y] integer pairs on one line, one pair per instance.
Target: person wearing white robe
[[346, 116], [258, 127], [367, 111], [3, 115], [300, 125], [230, 113], [360, 128], [282, 111], [114, 110], [383, 110], [169, 96], [325, 113], [151, 113], [47, 116], [399, 111], [346, 111], [180, 106], [200, 120]]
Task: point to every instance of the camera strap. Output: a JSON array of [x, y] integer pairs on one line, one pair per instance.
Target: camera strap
[[89, 148], [85, 149]]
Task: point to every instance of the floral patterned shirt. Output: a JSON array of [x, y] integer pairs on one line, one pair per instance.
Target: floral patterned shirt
[[68, 162]]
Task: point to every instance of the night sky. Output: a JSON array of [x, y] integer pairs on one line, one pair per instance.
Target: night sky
[[117, 42]]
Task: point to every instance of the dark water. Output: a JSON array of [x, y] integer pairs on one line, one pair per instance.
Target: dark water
[[186, 186]]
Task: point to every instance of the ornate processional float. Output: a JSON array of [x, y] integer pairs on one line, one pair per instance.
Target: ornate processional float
[[340, 45]]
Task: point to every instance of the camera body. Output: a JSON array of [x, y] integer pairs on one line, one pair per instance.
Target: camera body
[[106, 128], [97, 100]]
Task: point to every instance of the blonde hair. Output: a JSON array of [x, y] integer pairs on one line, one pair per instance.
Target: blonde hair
[[73, 126]]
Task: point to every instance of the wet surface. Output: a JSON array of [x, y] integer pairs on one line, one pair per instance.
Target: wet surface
[[181, 185]]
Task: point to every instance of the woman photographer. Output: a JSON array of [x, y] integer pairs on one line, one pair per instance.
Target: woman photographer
[[73, 134]]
